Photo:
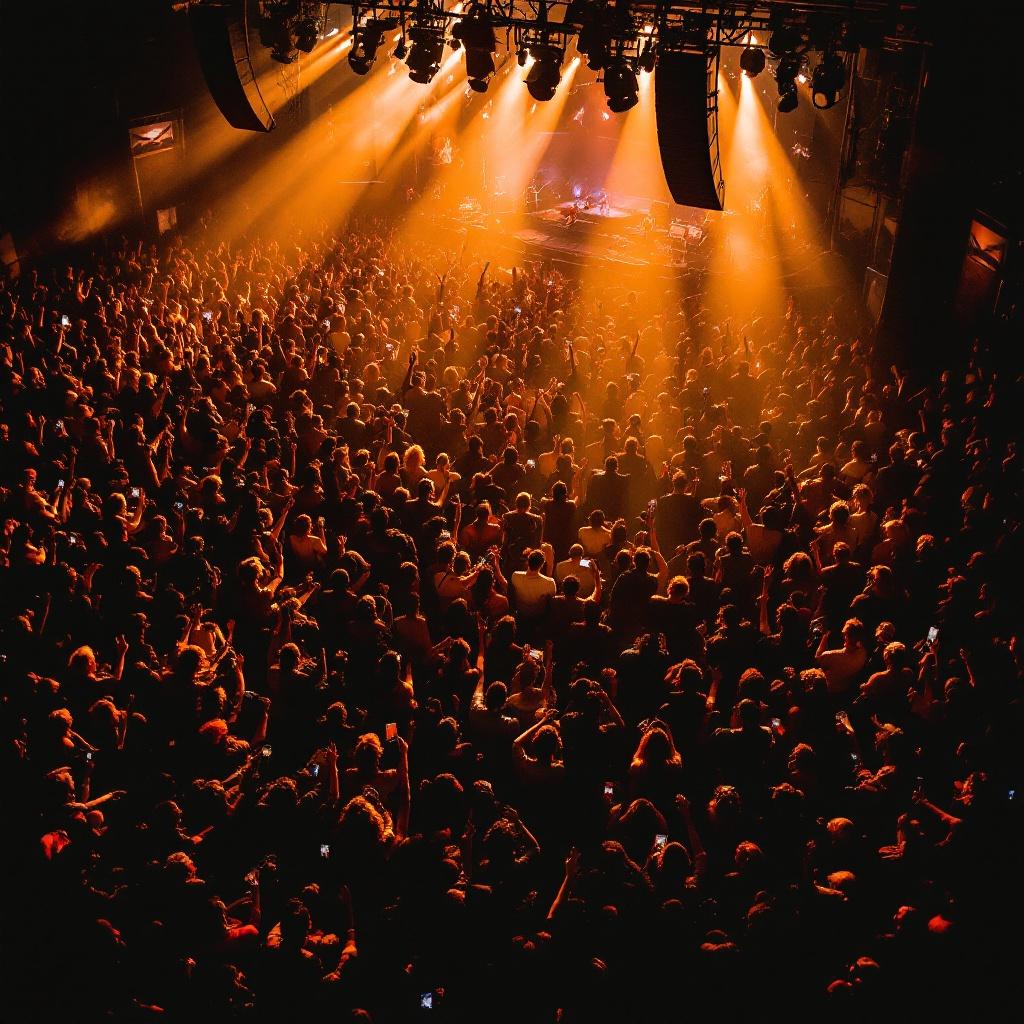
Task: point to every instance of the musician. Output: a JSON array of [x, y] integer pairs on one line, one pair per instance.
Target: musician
[[534, 191]]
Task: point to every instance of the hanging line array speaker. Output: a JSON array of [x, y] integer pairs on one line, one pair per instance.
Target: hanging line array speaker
[[221, 35], [686, 107]]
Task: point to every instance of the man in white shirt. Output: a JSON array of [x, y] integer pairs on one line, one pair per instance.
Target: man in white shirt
[[531, 592], [582, 568]]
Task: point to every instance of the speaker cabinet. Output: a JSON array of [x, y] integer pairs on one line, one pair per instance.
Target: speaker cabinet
[[686, 107]]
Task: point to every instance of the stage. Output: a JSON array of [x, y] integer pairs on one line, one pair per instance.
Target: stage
[[623, 233]]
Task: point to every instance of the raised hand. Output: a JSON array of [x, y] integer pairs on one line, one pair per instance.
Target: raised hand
[[572, 863]]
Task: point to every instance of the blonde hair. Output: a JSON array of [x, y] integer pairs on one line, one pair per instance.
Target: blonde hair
[[414, 457]]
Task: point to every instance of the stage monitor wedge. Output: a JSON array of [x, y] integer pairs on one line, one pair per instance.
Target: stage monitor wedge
[[221, 34], [686, 107]]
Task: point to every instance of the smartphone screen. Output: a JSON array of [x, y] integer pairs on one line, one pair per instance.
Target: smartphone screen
[[933, 634], [536, 653], [60, 482], [609, 789], [135, 492], [266, 751], [65, 321], [314, 770], [427, 1001], [776, 723], [391, 731], [586, 563], [660, 840], [325, 850], [207, 315]]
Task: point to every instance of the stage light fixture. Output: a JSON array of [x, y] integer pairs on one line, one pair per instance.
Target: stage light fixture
[[546, 71], [402, 49], [425, 53], [366, 40], [593, 42], [827, 81], [306, 35], [788, 68], [621, 86], [276, 35], [476, 33], [752, 61], [577, 12], [646, 59], [785, 78], [522, 55], [782, 40]]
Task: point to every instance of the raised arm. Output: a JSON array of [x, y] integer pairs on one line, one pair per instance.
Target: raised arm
[[481, 646], [331, 768], [519, 743], [572, 863], [762, 602], [548, 695], [659, 560], [700, 856], [404, 791], [745, 519]]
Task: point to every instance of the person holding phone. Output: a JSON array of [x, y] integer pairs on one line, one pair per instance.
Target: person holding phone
[[367, 771], [842, 666], [530, 689], [583, 568]]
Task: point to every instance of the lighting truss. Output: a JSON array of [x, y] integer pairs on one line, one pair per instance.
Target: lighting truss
[[618, 38], [626, 35], [815, 21]]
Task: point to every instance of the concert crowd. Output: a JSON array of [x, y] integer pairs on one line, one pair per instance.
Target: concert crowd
[[390, 636]]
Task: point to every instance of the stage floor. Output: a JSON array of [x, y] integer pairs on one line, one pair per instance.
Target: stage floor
[[578, 246]]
